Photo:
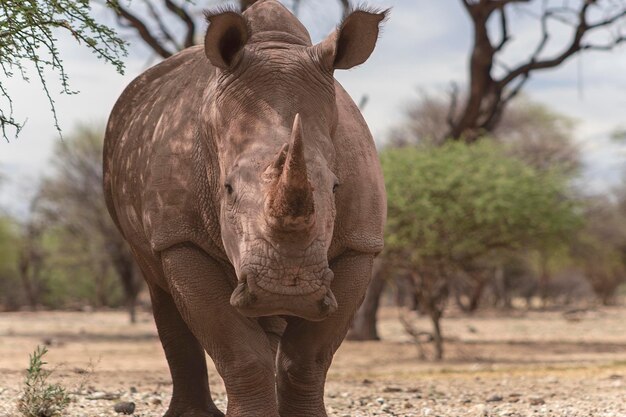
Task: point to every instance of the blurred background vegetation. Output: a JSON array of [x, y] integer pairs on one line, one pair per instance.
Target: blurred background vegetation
[[486, 210]]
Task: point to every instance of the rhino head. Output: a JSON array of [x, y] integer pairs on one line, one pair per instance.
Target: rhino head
[[272, 113]]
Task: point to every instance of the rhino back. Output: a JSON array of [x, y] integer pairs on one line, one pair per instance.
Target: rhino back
[[159, 168]]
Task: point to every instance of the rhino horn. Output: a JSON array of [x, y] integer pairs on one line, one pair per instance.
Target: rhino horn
[[290, 203]]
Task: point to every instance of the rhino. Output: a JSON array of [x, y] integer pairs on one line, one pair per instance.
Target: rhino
[[248, 186]]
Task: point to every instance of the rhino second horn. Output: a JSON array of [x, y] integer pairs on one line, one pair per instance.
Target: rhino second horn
[[291, 204]]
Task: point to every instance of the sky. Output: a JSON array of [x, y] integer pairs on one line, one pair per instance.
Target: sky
[[424, 47]]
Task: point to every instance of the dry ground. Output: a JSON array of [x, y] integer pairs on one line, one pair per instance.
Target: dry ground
[[519, 364]]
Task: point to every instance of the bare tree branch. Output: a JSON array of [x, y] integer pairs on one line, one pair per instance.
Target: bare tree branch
[[185, 17], [487, 95], [454, 98], [149, 38], [157, 18], [504, 27]]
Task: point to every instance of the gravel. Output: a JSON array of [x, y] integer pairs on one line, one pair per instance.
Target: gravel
[[535, 364], [579, 393]]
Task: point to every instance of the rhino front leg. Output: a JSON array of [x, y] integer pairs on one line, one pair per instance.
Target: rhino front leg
[[307, 348], [238, 345], [186, 359]]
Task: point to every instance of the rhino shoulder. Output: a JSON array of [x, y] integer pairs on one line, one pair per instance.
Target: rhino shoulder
[[360, 201], [159, 164]]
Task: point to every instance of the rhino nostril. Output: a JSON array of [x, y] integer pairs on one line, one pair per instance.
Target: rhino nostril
[[242, 297], [328, 304]]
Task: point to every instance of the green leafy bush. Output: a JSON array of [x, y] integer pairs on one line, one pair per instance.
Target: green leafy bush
[[41, 398], [456, 202]]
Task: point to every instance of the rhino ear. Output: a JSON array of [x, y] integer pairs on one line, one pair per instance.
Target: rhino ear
[[225, 38], [354, 41]]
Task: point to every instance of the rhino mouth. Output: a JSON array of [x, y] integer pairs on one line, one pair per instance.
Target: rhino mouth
[[291, 282], [260, 295]]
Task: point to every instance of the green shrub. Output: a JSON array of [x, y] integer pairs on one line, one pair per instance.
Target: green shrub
[[41, 398]]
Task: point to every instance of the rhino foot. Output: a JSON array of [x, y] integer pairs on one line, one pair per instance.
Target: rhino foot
[[193, 413]]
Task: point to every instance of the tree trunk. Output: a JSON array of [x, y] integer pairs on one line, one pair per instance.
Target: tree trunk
[[102, 298], [27, 284], [544, 277], [364, 325], [129, 278], [435, 316], [477, 294]]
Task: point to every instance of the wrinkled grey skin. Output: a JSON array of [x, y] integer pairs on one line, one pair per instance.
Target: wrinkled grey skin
[[248, 187]]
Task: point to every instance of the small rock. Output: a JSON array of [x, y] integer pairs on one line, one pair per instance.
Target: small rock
[[156, 401], [380, 400], [133, 390], [536, 401], [99, 395], [481, 410], [427, 412], [392, 389], [494, 398], [366, 382], [124, 408]]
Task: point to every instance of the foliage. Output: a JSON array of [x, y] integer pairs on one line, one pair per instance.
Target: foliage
[[41, 398], [27, 35], [453, 209], [456, 203]]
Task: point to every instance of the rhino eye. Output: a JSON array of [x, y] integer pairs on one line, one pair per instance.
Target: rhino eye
[[335, 187], [229, 188]]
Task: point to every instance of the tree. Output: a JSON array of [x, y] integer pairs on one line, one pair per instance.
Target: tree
[[72, 199], [492, 84], [536, 134], [454, 205], [27, 36], [528, 130], [600, 248], [159, 23]]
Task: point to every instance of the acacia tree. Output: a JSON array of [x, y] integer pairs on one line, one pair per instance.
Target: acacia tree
[[529, 131], [455, 205], [492, 84], [28, 42]]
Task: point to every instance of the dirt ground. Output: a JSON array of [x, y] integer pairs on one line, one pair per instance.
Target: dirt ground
[[518, 364]]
